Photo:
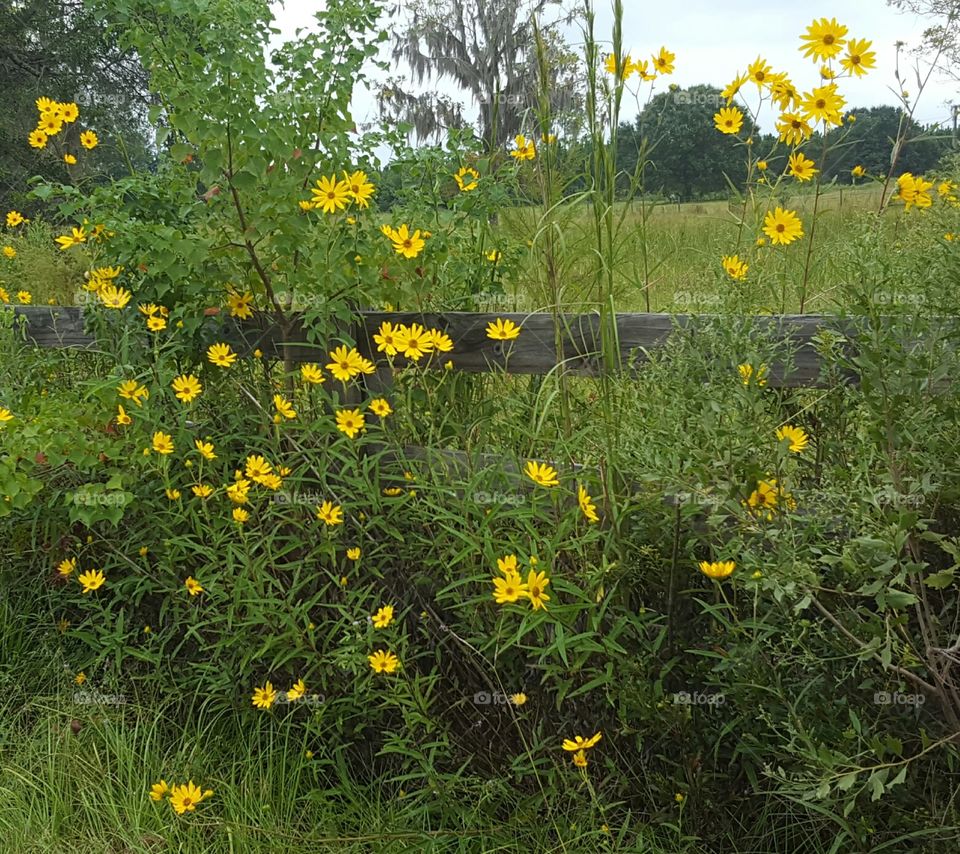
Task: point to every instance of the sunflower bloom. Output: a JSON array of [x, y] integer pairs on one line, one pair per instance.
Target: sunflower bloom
[[298, 690], [541, 473], [380, 407], [162, 443], [859, 58], [331, 195], [580, 743], [524, 149], [537, 589], [383, 661], [89, 140], [205, 449], [663, 61], [801, 168], [284, 407], [193, 586], [221, 355], [728, 120], [359, 187], [509, 588], [734, 267], [793, 128], [65, 567], [824, 104], [186, 388], [265, 697], [782, 227], [350, 421], [75, 238], [406, 244], [718, 569], [587, 507], [91, 580], [346, 363], [503, 330], [759, 71], [159, 790], [330, 514], [467, 179], [311, 373], [413, 342], [239, 305], [795, 435], [383, 617], [386, 338], [185, 798], [823, 39]]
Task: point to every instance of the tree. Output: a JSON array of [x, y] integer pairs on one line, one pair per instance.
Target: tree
[[60, 49], [489, 49]]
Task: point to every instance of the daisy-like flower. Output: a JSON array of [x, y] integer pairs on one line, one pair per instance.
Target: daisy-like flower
[[331, 195], [240, 515], [205, 449], [345, 364], [642, 68], [284, 407], [353, 553], [518, 699], [238, 491], [156, 324], [406, 244], [15, 218], [728, 120], [541, 473], [747, 373], [580, 743], [24, 297], [663, 61], [524, 148], [619, 68], [413, 342], [795, 435], [185, 798], [824, 104], [114, 297], [9, 252], [858, 171], [800, 167], [202, 490], [503, 330], [793, 128], [587, 507], [759, 71], [914, 191], [350, 421], [159, 790], [311, 373], [508, 565], [37, 139], [186, 388], [265, 697], [717, 569], [65, 567], [767, 497], [89, 140], [69, 112], [359, 187], [75, 238], [734, 267], [824, 39], [221, 355], [91, 580], [782, 227], [383, 661], [386, 338], [330, 514], [257, 468], [172, 494], [537, 589], [162, 443], [467, 179], [509, 588], [50, 123], [442, 343], [383, 617], [297, 691], [239, 304], [193, 586], [580, 759], [859, 58], [783, 92], [380, 407]]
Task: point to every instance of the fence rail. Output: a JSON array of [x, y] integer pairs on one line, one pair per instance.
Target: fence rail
[[535, 351]]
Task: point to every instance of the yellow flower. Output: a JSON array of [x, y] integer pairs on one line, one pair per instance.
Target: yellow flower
[[824, 103], [186, 387], [747, 373], [413, 342], [9, 252], [914, 191], [202, 490], [383, 617], [162, 443], [159, 790], [718, 569], [69, 159], [237, 491], [331, 195], [537, 589], [15, 218], [205, 449], [823, 39], [114, 297], [80, 678], [509, 588], [350, 421], [346, 364], [305, 205], [663, 61], [518, 699], [359, 187], [642, 68], [221, 355], [311, 373], [503, 330], [185, 798], [442, 343], [406, 244], [494, 255], [782, 227], [587, 507], [283, 406], [728, 120], [784, 92], [37, 139], [172, 494], [91, 579], [767, 497], [65, 567], [75, 238], [859, 57], [257, 468], [122, 418], [380, 407], [264, 698], [945, 189], [580, 759], [383, 661], [793, 128], [193, 586], [467, 178], [297, 691], [801, 168], [796, 435], [525, 149], [386, 338], [69, 112], [541, 473], [330, 514], [733, 88], [580, 743], [131, 390], [625, 68], [858, 171], [759, 72], [25, 297], [734, 267], [156, 324], [89, 140], [240, 515], [239, 305], [353, 553]]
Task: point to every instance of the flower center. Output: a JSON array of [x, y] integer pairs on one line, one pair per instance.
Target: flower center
[[828, 39]]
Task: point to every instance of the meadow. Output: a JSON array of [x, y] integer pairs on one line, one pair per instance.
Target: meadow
[[341, 595]]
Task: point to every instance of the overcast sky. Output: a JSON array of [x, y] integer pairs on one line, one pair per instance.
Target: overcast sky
[[714, 40]]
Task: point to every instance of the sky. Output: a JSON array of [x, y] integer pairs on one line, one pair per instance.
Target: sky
[[715, 39]]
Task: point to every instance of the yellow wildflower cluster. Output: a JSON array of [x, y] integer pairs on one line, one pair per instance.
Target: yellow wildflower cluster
[[183, 798], [660, 64]]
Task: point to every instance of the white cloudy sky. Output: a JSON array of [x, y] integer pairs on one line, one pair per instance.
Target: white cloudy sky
[[714, 40]]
